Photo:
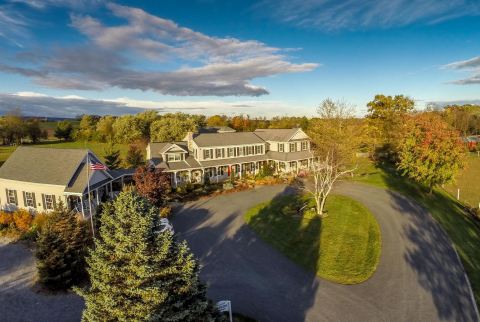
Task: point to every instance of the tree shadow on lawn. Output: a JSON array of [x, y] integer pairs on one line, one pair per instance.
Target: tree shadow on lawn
[[260, 281], [431, 255]]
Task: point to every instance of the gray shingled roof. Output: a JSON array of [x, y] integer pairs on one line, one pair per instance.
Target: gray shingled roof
[[222, 139], [289, 156], [42, 165], [281, 135]]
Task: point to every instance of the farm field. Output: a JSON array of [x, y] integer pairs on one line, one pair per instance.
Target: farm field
[[468, 181]]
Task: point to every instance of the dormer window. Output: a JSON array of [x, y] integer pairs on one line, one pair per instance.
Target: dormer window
[[174, 157]]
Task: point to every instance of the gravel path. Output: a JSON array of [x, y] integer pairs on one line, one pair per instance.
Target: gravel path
[[21, 299]]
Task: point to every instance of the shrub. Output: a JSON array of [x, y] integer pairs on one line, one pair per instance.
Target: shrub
[[39, 221], [23, 220], [227, 186], [165, 212], [181, 189], [6, 219]]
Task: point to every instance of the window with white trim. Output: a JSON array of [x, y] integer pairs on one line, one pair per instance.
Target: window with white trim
[[281, 147], [206, 154], [304, 145], [12, 197], [30, 199], [49, 202], [230, 152], [293, 147], [172, 157]]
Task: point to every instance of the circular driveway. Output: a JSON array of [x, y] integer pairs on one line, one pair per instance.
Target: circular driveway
[[419, 277]]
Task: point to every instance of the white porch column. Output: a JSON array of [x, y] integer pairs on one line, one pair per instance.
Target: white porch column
[[216, 173], [81, 205], [190, 176], [175, 178], [298, 166], [97, 197]]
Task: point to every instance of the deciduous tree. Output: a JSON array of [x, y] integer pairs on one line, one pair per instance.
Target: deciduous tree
[[153, 184], [430, 151], [33, 130], [63, 130], [336, 138], [173, 127], [386, 114]]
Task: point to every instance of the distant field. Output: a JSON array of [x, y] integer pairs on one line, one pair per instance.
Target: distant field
[[51, 125], [468, 181], [95, 147]]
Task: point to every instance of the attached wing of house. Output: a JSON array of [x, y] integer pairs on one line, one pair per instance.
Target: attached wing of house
[[40, 178], [217, 153]]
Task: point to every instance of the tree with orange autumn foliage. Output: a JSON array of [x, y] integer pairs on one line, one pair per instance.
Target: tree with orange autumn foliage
[[430, 151]]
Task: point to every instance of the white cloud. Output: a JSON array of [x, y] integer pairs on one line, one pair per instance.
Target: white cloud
[[471, 65], [222, 66], [332, 15]]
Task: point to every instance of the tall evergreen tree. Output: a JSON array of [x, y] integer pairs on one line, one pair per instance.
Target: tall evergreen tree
[[134, 157], [140, 274], [112, 157], [61, 250]]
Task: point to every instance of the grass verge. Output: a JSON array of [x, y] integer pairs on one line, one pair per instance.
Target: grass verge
[[449, 213], [343, 247]]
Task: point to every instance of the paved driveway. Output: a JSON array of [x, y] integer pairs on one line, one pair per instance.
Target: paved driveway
[[419, 277], [21, 300]]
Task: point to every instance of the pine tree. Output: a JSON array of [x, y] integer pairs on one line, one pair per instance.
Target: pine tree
[[134, 157], [112, 157], [61, 250], [140, 274]]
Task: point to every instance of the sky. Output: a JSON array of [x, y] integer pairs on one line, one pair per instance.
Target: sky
[[261, 58]]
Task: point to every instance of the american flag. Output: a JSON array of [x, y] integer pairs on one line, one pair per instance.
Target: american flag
[[97, 166]]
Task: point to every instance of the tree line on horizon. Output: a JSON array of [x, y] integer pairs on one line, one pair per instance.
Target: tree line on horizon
[[151, 126]]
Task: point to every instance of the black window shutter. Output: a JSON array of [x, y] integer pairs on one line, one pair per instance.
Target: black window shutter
[[24, 198], [16, 197], [6, 194], [43, 201], [34, 201], [54, 202]]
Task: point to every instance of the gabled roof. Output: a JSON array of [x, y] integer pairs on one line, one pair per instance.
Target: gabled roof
[[157, 148], [43, 165], [224, 139], [279, 135]]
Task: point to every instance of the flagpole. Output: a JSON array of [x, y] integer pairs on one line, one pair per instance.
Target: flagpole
[[88, 190]]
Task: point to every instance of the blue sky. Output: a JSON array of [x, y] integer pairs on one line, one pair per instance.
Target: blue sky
[[262, 58]]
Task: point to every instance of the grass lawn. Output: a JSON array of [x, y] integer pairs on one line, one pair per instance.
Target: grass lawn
[[463, 231], [96, 147], [343, 247], [5, 152], [468, 181]]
